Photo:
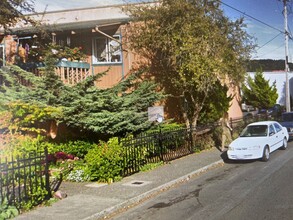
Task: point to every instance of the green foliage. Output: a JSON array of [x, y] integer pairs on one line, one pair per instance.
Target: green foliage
[[14, 11], [33, 100], [150, 166], [190, 45], [28, 99], [60, 52], [36, 196], [104, 161], [215, 105], [115, 111], [17, 85], [26, 116], [7, 211], [165, 126], [20, 145], [204, 142], [258, 92], [77, 148]]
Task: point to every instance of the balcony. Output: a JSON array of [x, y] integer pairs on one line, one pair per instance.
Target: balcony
[[69, 72], [72, 72]]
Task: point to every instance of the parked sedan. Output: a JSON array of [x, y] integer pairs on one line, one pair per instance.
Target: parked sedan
[[258, 140], [287, 121]]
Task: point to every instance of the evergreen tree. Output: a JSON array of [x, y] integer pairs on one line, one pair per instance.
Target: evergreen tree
[[32, 100], [114, 111], [12, 11], [259, 93]]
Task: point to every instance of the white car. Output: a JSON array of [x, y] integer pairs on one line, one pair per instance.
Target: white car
[[258, 140]]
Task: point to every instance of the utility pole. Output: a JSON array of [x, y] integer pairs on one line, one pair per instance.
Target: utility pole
[[288, 109]]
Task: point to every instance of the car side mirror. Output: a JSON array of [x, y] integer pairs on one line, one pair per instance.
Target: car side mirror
[[272, 133]]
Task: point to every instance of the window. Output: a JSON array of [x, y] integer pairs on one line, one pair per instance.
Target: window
[[272, 130], [107, 50], [278, 128]]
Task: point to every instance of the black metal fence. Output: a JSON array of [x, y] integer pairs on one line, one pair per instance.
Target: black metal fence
[[25, 179], [155, 147]]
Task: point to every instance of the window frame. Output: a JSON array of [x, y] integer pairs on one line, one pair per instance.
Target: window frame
[[108, 40]]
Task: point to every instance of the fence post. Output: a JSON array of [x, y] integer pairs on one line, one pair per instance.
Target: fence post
[[161, 145], [47, 177], [191, 138]]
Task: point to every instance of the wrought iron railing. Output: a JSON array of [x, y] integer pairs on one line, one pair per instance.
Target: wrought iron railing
[[22, 178], [155, 147]]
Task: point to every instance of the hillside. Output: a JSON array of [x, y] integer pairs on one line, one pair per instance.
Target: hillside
[[267, 65]]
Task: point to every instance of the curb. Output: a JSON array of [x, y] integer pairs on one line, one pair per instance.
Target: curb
[[135, 200]]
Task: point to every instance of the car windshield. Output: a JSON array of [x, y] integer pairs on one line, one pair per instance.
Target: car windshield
[[255, 131]]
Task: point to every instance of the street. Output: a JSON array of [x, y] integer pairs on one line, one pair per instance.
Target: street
[[237, 190]]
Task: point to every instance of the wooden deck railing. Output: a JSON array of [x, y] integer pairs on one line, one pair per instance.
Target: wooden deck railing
[[72, 72], [69, 72]]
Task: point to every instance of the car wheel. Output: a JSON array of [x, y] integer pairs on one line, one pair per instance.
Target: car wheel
[[266, 154], [285, 144]]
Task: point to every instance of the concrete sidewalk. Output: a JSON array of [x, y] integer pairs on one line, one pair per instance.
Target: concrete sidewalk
[[91, 201]]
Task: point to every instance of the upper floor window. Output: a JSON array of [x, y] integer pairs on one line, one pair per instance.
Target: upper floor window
[[107, 50]]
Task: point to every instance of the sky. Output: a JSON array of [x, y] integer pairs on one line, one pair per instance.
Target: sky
[[264, 19]]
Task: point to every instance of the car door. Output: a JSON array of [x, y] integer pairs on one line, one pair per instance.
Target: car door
[[280, 134], [273, 138]]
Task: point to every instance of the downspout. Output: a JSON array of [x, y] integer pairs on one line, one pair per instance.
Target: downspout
[[103, 33], [122, 59]]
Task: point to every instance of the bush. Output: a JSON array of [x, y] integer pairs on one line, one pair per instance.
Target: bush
[[19, 145], [104, 161], [203, 142], [77, 148], [7, 211]]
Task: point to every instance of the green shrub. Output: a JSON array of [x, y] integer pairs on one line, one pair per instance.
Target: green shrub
[[150, 166], [104, 161], [217, 135], [165, 127], [19, 145], [77, 148], [7, 211], [36, 196], [203, 142]]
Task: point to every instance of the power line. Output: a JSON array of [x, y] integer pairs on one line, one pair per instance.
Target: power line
[[247, 15], [270, 41], [270, 51]]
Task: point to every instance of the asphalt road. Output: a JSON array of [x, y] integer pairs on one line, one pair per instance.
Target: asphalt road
[[237, 190]]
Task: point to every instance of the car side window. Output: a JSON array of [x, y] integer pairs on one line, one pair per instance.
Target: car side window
[[271, 130], [278, 128]]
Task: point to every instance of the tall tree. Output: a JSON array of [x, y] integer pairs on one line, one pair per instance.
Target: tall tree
[[189, 46], [13, 11], [259, 93]]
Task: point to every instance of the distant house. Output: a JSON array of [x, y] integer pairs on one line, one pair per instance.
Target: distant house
[[98, 32]]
